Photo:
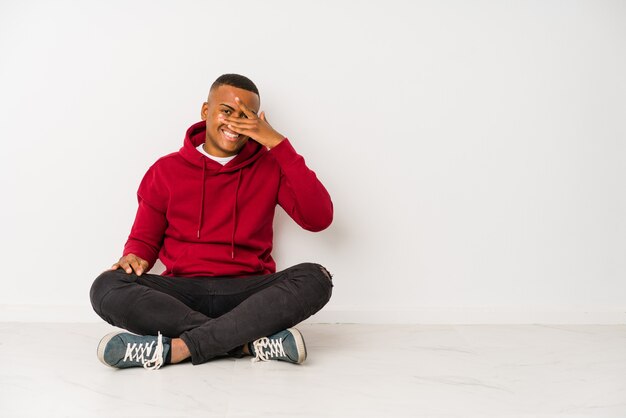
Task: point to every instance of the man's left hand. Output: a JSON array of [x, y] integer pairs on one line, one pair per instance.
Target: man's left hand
[[253, 126]]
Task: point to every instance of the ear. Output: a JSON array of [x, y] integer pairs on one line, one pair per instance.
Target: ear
[[204, 111]]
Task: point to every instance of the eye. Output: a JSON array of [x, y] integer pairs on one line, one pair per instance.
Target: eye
[[227, 111]]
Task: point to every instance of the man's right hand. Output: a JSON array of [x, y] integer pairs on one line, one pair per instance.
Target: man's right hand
[[131, 262]]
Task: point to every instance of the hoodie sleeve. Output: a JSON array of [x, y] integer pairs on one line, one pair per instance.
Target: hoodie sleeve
[[146, 235], [300, 193]]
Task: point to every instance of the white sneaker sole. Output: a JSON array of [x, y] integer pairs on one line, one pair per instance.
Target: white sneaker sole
[[299, 344]]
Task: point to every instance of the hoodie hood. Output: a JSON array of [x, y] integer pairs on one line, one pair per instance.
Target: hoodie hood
[[250, 152]]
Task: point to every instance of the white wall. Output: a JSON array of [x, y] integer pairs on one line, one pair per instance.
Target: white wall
[[474, 151]]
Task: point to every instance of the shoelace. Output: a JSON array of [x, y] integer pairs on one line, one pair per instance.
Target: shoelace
[[141, 353], [266, 349]]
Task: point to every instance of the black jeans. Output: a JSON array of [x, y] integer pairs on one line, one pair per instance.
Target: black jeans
[[214, 316]]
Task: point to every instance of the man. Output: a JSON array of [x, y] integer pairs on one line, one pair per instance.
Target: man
[[206, 212]]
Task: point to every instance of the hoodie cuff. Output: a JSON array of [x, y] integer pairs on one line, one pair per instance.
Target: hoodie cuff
[[284, 153]]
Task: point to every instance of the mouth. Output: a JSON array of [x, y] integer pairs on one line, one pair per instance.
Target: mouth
[[230, 136]]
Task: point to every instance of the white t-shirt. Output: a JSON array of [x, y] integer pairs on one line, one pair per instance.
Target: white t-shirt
[[221, 160]]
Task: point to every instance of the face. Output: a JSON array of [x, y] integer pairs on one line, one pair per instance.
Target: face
[[221, 141]]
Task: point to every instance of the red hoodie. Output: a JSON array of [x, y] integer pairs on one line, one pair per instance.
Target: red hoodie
[[204, 219]]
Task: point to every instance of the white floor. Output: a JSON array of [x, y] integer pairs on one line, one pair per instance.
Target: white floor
[[51, 370]]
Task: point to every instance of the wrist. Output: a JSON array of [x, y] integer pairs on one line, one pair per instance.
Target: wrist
[[274, 142]]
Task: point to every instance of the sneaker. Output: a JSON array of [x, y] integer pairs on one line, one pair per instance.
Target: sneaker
[[122, 350], [287, 345]]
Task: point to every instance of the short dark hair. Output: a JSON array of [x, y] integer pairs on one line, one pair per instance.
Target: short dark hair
[[235, 80]]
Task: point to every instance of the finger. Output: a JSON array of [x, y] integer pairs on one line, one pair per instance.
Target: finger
[[124, 264], [240, 125], [240, 130], [263, 117], [115, 266], [249, 113], [242, 122], [143, 266], [135, 265]]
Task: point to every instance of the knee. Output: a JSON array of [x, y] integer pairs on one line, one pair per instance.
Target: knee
[[317, 270], [320, 280], [103, 284]]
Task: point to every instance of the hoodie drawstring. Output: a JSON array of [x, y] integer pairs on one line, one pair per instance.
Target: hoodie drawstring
[[232, 243], [201, 216], [202, 196]]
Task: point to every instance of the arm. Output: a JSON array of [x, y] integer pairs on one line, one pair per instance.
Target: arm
[[146, 236], [300, 193]]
